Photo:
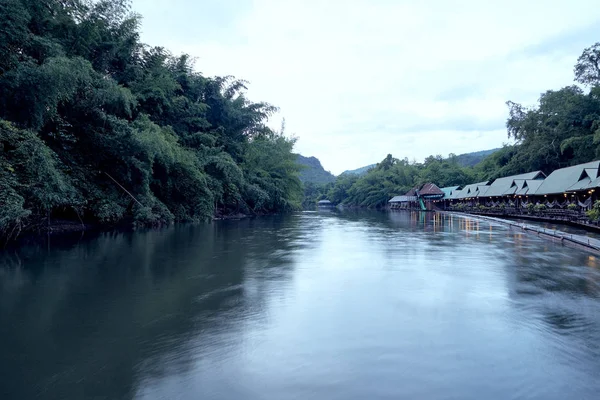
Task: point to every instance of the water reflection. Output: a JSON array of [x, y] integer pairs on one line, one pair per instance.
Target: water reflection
[[321, 305]]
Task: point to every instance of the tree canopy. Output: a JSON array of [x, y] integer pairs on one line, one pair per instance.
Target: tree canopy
[[96, 125]]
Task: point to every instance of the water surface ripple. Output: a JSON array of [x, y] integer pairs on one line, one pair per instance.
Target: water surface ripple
[[317, 305]]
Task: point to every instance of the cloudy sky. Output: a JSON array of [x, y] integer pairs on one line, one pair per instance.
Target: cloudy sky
[[358, 79]]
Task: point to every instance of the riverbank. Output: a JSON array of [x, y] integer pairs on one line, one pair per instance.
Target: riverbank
[[68, 227], [568, 239]]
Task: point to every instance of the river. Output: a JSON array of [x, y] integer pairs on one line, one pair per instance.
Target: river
[[316, 305]]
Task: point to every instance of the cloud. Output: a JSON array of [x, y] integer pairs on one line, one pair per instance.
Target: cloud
[[359, 79]]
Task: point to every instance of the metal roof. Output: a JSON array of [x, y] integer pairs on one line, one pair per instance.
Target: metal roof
[[594, 184], [402, 199], [449, 190], [516, 185], [527, 186], [469, 191], [482, 190], [561, 180], [586, 178], [502, 186]]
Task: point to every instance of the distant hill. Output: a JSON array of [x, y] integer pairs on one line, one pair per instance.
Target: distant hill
[[359, 171], [314, 171], [472, 159]]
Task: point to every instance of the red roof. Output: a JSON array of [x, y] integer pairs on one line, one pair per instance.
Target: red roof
[[426, 190], [430, 189], [412, 192]]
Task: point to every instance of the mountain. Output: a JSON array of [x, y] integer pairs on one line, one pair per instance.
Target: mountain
[[359, 171], [464, 160], [472, 159], [314, 171]]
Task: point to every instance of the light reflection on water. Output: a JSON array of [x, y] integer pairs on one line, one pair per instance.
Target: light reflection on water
[[321, 305]]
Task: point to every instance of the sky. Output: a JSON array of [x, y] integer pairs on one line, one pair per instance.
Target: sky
[[356, 80]]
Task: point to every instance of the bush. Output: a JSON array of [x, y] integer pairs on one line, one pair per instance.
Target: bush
[[540, 207], [594, 213], [572, 207]]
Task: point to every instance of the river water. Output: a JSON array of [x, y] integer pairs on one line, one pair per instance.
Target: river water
[[317, 305]]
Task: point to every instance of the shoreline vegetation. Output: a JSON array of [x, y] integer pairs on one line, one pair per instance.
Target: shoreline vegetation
[[99, 129], [561, 130]]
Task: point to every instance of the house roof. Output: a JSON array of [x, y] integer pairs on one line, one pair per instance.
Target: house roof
[[468, 191], [594, 184], [587, 177], [412, 192], [449, 190], [482, 190], [567, 179], [532, 186], [402, 199], [522, 186], [427, 189], [430, 189], [503, 186]]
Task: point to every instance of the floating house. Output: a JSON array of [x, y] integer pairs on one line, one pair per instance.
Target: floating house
[[420, 197], [402, 201], [508, 185], [577, 185], [448, 191], [571, 180], [324, 203], [470, 192]]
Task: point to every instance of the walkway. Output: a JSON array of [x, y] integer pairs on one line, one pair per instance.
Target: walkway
[[569, 239]]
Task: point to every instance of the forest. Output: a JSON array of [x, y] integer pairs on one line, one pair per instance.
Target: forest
[[561, 130], [97, 127]]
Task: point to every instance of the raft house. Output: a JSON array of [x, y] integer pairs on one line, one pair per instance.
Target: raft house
[[421, 197], [324, 203], [566, 192]]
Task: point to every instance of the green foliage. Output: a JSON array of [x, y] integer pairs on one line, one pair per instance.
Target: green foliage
[[389, 178], [315, 192], [594, 213], [359, 171], [471, 159], [272, 174], [97, 126], [587, 69], [572, 207], [460, 207], [445, 172], [530, 207], [540, 207], [340, 190]]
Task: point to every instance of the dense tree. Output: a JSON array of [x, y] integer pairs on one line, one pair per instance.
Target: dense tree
[[96, 126], [587, 69], [557, 133], [389, 178]]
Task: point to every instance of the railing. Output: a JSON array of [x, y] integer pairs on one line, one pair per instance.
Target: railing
[[578, 216]]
